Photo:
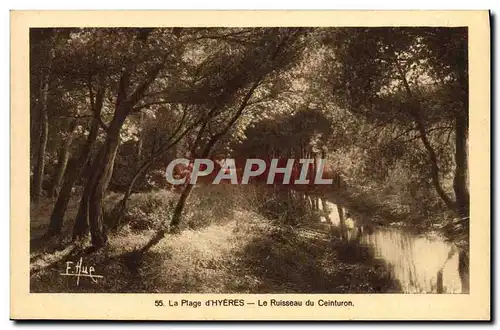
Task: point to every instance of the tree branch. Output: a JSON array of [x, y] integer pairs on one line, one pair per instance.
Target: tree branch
[[145, 105], [142, 88], [423, 136], [213, 140]]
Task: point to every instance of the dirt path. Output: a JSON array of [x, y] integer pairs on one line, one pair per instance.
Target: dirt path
[[250, 255]]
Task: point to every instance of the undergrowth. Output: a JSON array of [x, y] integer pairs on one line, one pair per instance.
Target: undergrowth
[[229, 244]]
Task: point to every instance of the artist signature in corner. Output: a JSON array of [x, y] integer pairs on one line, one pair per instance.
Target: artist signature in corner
[[80, 270]]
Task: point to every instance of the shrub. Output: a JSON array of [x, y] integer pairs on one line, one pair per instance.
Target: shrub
[[149, 210], [211, 204]]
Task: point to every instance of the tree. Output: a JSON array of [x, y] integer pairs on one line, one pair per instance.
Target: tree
[[412, 83], [393, 75], [273, 50], [76, 166], [41, 57], [135, 78]]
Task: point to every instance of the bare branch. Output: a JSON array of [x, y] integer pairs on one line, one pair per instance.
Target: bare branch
[[146, 105]]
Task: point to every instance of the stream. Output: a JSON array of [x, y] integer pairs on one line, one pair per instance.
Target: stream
[[414, 260]]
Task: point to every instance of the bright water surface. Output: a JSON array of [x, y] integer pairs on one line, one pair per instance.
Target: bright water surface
[[415, 260]]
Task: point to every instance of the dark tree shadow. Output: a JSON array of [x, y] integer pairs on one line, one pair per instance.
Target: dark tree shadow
[[284, 261]]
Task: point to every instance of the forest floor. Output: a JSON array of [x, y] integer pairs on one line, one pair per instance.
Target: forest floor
[[244, 252]]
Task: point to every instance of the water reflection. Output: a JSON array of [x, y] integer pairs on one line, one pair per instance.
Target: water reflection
[[421, 264]]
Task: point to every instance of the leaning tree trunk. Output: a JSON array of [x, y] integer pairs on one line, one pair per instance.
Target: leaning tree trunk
[[119, 210], [63, 157], [91, 206], [174, 223], [181, 203], [176, 218], [90, 213], [97, 232], [57, 216], [81, 225], [76, 168], [419, 124]]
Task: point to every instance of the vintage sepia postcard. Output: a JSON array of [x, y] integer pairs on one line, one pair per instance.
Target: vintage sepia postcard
[[250, 165]]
